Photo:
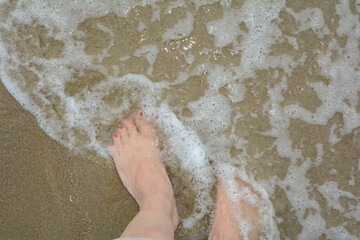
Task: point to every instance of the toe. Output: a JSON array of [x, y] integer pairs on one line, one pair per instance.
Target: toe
[[144, 126], [117, 141], [124, 134], [130, 126]]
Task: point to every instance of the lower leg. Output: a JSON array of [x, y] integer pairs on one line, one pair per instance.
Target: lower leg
[[154, 220]]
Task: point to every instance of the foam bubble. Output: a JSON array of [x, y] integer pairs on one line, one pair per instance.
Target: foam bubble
[[181, 29], [209, 111], [225, 30]]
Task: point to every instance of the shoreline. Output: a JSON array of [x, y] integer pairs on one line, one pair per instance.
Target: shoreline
[[49, 192]]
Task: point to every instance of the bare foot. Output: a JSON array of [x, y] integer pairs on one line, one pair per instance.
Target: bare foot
[[226, 225], [139, 165]]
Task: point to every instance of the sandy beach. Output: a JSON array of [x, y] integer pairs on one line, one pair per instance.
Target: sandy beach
[[47, 192]]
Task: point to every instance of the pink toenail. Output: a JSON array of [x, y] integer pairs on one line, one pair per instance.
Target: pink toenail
[[141, 114], [121, 127], [115, 135], [127, 118]]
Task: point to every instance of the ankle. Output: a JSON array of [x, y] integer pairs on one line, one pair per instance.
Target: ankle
[[157, 200], [161, 203]]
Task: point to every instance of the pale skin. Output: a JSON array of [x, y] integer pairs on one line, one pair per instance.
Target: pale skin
[[139, 165]]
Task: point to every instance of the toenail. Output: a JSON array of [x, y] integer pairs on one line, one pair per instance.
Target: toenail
[[121, 127], [115, 135], [127, 118], [141, 114]]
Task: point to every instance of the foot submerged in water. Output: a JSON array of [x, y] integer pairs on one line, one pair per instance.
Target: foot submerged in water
[[139, 165], [226, 225]]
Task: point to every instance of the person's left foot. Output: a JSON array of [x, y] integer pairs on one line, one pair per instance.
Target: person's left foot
[[139, 165], [225, 225]]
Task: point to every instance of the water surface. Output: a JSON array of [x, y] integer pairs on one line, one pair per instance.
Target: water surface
[[270, 88]]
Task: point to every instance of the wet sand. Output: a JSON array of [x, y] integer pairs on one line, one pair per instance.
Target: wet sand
[[49, 193]]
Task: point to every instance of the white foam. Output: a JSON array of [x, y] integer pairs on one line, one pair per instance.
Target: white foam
[[319, 154], [218, 76], [193, 141], [237, 92], [333, 139], [209, 111], [141, 26], [332, 194], [174, 5], [311, 18], [255, 45], [150, 52], [186, 145], [296, 185], [181, 29], [225, 30], [339, 232]]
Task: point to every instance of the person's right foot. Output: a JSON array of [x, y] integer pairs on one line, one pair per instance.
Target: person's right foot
[[225, 225]]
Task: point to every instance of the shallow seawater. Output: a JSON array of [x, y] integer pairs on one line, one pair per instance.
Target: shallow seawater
[[268, 91]]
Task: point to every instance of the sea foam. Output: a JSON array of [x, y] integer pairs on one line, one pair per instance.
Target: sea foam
[[200, 142]]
